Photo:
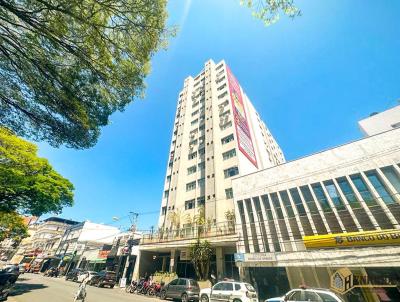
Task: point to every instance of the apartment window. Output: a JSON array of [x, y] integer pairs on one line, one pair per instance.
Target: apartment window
[[192, 155], [189, 204], [166, 194], [229, 154], [168, 178], [202, 165], [229, 193], [201, 182], [202, 151], [227, 139], [202, 127], [226, 125], [194, 122], [201, 140], [231, 172], [195, 112], [225, 114], [195, 104], [379, 186], [219, 66], [220, 80], [163, 210], [223, 95], [222, 86], [193, 142], [191, 186], [191, 170], [201, 201]]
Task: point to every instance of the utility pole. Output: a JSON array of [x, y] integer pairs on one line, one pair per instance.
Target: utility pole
[[133, 217]]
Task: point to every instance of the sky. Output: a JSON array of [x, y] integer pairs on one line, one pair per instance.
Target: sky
[[311, 79]]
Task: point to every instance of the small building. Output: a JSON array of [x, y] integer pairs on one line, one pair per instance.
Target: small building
[[381, 121], [82, 237]]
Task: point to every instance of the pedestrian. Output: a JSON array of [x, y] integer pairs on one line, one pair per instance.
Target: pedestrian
[[81, 293]]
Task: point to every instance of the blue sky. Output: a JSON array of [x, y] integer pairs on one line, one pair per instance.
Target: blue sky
[[311, 79]]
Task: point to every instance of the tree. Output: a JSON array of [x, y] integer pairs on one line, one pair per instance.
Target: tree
[[67, 65], [12, 226], [200, 254], [269, 10], [28, 184]]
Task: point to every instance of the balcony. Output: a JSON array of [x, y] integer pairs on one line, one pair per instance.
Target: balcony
[[207, 231]]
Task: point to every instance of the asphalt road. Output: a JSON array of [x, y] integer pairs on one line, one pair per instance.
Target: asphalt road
[[36, 288]]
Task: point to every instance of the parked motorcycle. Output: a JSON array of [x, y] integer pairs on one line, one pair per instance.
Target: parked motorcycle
[[52, 272], [8, 277], [131, 288]]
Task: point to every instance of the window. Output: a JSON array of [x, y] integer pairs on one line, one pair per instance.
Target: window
[[168, 178], [202, 151], [379, 186], [194, 122], [392, 176], [195, 112], [229, 154], [237, 286], [181, 282], [334, 194], [174, 282], [163, 210], [319, 193], [348, 192], [223, 95], [225, 114], [286, 202], [166, 194], [226, 125], [227, 286], [201, 201], [202, 140], [363, 189], [201, 182], [219, 66], [295, 296], [297, 201], [189, 204], [221, 87], [231, 172], [202, 165], [191, 170], [229, 193], [220, 80], [192, 155], [217, 286], [227, 139], [311, 296], [191, 186]]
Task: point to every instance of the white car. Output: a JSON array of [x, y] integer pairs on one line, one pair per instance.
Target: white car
[[83, 275], [229, 291], [309, 295]]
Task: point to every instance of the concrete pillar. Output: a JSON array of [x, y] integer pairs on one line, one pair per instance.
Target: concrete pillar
[[220, 263], [174, 261], [135, 275], [164, 263]]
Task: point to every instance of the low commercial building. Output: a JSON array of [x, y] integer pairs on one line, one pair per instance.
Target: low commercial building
[[331, 219], [82, 237]]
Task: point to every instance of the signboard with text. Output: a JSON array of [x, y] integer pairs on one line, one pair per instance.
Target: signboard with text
[[367, 238], [243, 134]]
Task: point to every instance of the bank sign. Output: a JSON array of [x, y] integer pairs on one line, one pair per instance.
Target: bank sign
[[368, 238], [245, 142]]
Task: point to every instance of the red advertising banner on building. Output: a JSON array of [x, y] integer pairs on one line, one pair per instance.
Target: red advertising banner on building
[[103, 254], [245, 142]]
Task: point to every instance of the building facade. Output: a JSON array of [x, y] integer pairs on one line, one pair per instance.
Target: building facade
[[217, 135], [331, 219], [79, 238], [380, 122]]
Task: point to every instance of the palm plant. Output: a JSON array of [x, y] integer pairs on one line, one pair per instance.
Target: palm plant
[[200, 254]]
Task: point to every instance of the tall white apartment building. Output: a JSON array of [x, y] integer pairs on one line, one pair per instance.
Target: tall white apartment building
[[217, 135]]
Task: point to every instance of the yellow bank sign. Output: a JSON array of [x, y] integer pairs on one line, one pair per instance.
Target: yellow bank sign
[[367, 238]]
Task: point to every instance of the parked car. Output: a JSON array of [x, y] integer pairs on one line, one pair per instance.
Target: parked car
[[229, 291], [181, 288], [8, 276], [308, 294], [21, 268], [73, 274], [104, 278], [83, 275]]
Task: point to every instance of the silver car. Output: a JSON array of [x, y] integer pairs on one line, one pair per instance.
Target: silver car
[[181, 288]]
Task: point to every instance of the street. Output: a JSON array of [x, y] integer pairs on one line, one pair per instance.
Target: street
[[36, 288]]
